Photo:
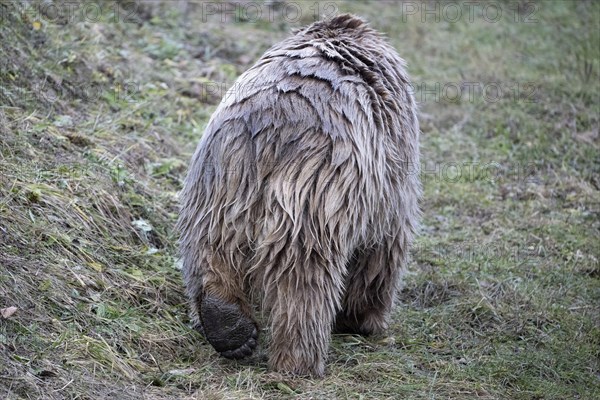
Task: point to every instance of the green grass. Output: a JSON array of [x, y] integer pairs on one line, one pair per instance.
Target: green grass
[[99, 119]]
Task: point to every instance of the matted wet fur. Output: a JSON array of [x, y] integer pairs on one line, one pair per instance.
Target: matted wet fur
[[303, 194]]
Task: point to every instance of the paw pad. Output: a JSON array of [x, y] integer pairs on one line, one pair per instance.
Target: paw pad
[[231, 332]]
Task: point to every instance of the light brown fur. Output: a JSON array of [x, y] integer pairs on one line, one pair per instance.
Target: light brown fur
[[304, 190]]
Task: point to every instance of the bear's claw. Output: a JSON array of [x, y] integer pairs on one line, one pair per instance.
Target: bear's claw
[[231, 332], [244, 350]]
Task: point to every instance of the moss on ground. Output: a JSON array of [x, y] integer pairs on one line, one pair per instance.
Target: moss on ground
[[99, 114]]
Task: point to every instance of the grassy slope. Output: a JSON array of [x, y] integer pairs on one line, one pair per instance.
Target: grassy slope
[[98, 120]]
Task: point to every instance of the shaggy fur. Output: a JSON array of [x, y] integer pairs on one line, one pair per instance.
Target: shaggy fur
[[304, 191]]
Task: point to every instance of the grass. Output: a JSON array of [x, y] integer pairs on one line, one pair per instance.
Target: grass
[[98, 119]]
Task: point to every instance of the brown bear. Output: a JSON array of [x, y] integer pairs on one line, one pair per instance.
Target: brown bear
[[302, 197]]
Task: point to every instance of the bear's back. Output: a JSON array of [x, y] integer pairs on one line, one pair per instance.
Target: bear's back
[[325, 115]]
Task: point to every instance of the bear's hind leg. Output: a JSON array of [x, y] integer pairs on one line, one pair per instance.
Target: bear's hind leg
[[303, 301], [222, 310], [371, 285]]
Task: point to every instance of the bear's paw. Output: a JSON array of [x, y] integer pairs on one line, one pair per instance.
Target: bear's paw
[[229, 331]]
